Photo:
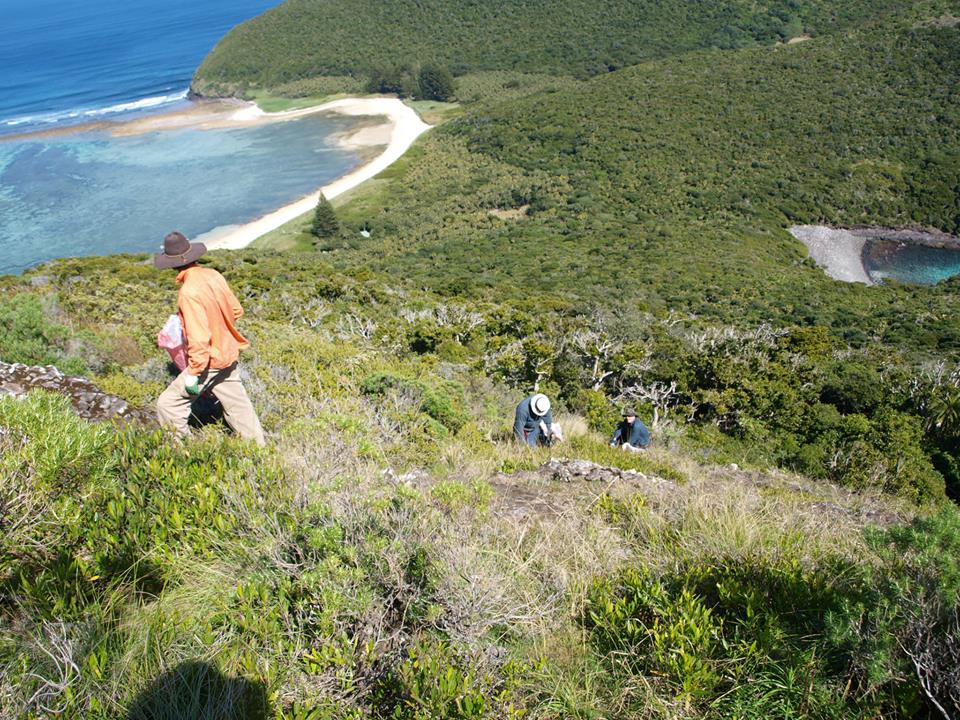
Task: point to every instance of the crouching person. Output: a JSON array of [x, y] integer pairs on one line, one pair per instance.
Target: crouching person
[[631, 434], [534, 424], [208, 310]]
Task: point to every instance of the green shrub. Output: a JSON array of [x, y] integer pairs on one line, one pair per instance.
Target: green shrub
[[433, 683], [436, 83], [28, 337], [780, 634], [53, 471], [673, 635], [925, 554], [444, 401], [401, 80], [601, 414], [899, 633], [454, 494], [105, 490]]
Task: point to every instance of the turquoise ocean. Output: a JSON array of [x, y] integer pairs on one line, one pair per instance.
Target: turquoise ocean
[[69, 63], [915, 264]]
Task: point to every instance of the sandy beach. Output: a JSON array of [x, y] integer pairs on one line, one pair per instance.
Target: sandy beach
[[839, 252], [401, 127], [115, 180]]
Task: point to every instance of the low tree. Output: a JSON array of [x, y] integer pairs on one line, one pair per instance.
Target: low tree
[[325, 223], [436, 83], [660, 395], [401, 80]]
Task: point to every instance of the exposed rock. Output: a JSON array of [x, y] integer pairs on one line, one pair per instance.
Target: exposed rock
[[547, 490], [838, 251], [414, 478], [576, 470], [929, 238], [87, 399]]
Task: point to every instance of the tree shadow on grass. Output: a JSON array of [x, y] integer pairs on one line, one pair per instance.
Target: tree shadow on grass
[[197, 690]]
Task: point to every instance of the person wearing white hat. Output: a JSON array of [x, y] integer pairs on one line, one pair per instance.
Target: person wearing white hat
[[533, 423]]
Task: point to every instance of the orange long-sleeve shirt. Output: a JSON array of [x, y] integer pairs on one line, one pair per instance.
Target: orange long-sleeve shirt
[[208, 309]]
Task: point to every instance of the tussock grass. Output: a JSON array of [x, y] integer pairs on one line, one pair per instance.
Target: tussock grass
[[332, 575]]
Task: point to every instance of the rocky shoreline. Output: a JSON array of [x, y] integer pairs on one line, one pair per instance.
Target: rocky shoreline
[[841, 252], [929, 238]]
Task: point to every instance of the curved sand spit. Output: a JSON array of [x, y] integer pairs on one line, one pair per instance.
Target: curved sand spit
[[403, 127]]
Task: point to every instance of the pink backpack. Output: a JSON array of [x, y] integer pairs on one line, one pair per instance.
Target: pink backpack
[[171, 339]]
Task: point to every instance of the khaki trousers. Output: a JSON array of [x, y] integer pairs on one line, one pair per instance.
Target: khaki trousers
[[174, 403]]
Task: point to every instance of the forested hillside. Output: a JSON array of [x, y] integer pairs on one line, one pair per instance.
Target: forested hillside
[[665, 190], [307, 38], [669, 186]]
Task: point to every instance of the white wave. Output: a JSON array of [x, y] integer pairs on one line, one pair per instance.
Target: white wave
[[70, 115], [138, 104]]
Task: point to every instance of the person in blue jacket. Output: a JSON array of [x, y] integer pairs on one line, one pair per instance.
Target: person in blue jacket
[[533, 424], [631, 434]]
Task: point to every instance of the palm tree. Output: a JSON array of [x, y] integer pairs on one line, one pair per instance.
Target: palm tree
[[944, 411]]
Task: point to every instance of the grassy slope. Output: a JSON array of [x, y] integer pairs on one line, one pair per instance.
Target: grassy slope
[[316, 580], [310, 582], [305, 38]]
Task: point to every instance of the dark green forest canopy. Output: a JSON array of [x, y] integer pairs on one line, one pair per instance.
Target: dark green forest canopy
[[304, 38], [668, 186]]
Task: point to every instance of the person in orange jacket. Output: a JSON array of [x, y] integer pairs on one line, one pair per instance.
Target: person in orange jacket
[[208, 310]]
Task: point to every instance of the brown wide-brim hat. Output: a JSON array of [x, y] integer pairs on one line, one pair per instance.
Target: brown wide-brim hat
[[178, 251]]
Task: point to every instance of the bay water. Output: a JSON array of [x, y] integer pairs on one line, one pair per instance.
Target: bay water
[[910, 263], [70, 193]]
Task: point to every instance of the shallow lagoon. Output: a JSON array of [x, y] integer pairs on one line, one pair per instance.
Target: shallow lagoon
[[910, 263], [92, 193]]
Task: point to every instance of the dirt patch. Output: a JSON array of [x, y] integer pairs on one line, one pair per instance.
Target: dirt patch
[[944, 21], [551, 488], [799, 39], [510, 214]]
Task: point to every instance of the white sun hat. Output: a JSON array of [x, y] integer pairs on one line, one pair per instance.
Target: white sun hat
[[540, 404]]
